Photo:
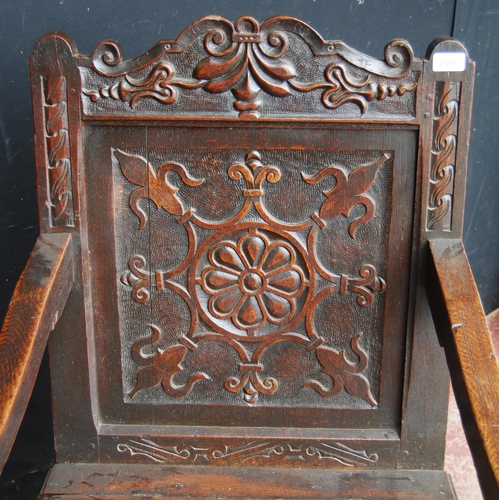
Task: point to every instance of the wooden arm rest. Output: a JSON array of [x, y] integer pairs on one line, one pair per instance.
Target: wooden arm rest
[[38, 300], [463, 332]]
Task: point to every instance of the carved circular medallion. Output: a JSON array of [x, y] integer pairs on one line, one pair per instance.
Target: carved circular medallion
[[251, 282]]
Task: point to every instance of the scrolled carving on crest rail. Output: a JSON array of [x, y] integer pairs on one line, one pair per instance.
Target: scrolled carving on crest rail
[[340, 88], [252, 63], [107, 58], [60, 196], [253, 450], [247, 58], [443, 156], [159, 84]]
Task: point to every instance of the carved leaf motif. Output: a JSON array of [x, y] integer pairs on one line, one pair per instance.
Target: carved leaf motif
[[134, 167], [348, 192], [162, 367], [154, 186], [345, 374], [247, 66], [60, 198]]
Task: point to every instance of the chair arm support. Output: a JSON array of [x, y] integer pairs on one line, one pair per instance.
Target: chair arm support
[[463, 332], [38, 300]]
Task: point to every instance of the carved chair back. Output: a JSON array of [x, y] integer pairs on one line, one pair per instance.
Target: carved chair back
[[250, 204]]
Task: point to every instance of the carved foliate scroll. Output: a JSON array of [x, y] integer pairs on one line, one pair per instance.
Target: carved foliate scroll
[[247, 66], [59, 196], [443, 151], [250, 281], [249, 453]]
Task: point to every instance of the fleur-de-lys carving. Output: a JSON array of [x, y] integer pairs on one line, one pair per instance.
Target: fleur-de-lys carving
[[367, 285], [161, 367], [251, 383], [345, 374], [247, 66], [347, 192], [254, 173], [137, 278], [154, 186]]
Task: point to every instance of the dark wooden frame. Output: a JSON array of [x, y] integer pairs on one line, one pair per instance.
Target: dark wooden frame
[[77, 96]]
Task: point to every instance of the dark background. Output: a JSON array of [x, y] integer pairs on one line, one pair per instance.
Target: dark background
[[366, 25]]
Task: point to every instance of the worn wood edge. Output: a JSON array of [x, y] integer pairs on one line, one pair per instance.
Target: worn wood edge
[[464, 334], [116, 481], [38, 300]]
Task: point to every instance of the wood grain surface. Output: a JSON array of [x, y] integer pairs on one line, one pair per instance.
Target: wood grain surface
[[85, 481], [464, 334], [38, 301]]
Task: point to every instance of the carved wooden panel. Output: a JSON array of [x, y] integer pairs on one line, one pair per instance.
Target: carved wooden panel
[[229, 296]]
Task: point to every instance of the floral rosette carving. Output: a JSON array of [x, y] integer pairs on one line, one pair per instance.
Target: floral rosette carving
[[253, 282]]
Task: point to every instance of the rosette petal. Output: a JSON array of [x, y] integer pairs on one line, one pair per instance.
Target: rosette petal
[[249, 315], [253, 248], [216, 280], [277, 257], [287, 283], [226, 256], [224, 305], [277, 309]]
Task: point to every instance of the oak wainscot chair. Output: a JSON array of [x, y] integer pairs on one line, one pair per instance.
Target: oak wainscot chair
[[238, 229]]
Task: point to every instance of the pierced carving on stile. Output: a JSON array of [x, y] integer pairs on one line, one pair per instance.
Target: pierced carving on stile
[[250, 280], [247, 58], [443, 156], [60, 196], [253, 451]]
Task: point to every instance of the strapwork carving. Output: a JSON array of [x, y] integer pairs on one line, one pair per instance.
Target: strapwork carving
[[248, 58], [252, 281]]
